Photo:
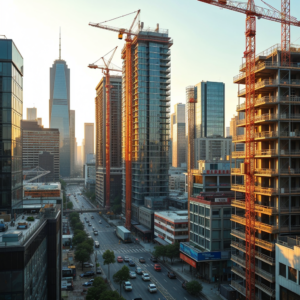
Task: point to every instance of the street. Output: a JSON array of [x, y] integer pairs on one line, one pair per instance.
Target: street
[[167, 288]]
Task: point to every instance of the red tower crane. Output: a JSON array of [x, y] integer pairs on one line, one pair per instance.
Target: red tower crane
[[106, 68], [128, 104], [252, 11]]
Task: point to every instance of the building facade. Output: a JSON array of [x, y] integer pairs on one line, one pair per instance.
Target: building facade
[[151, 120], [115, 141], [40, 149], [11, 94], [72, 142], [178, 136], [59, 111], [277, 162], [31, 114], [88, 140], [210, 109]]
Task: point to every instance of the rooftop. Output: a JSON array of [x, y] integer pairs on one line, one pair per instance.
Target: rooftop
[[42, 186], [289, 241], [179, 215]]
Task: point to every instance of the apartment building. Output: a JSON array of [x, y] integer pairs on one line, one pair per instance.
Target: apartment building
[[277, 167]]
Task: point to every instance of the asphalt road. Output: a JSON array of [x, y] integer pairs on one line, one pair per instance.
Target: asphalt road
[[168, 289]]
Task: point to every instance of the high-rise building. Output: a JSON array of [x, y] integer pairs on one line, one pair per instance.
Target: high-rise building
[[178, 134], [11, 95], [209, 109], [88, 139], [40, 149], [227, 131], [151, 58], [277, 168], [59, 110], [79, 155], [115, 140], [83, 152], [31, 114], [40, 121], [72, 141]]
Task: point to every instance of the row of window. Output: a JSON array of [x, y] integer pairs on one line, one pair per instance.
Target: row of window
[[293, 274]]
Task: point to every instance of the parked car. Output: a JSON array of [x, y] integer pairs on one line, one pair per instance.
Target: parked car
[[90, 224], [146, 277], [142, 260], [126, 258], [157, 268], [98, 271], [131, 263], [184, 285], [171, 275], [152, 288], [132, 274], [87, 265], [138, 271], [119, 259], [87, 274], [97, 245], [95, 232], [153, 259], [127, 286], [89, 283]]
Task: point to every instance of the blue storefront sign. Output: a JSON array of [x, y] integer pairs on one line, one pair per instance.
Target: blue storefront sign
[[200, 256]]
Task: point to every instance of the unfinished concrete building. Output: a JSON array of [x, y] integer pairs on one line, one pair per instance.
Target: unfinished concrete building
[[277, 167]]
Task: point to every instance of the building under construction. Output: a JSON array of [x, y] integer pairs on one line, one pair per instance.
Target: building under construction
[[150, 85], [277, 167], [115, 140]]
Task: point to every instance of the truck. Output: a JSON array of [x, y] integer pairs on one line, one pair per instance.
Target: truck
[[3, 225], [123, 234], [22, 225]]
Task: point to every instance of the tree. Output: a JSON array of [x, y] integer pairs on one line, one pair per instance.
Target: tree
[[79, 226], [194, 287], [109, 258], [160, 251], [96, 291], [111, 295], [172, 251], [85, 246], [121, 276], [81, 255], [70, 205], [74, 214], [79, 238], [77, 231]]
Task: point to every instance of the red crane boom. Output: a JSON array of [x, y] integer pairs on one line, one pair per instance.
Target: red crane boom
[[252, 11], [106, 71]]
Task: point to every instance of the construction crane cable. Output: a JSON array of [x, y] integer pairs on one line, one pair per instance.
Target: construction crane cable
[[119, 17]]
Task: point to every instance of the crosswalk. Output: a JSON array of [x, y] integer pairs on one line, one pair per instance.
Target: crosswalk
[[122, 250]]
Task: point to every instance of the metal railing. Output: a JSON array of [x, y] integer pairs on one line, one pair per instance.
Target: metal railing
[[266, 190], [266, 152], [237, 154], [235, 170], [238, 138], [258, 208], [266, 134], [238, 187], [265, 171]]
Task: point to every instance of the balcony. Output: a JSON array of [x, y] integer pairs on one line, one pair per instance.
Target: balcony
[[238, 138], [240, 288], [268, 191], [258, 242], [267, 259], [266, 172], [266, 152], [238, 154], [265, 274], [258, 208], [236, 171], [258, 225], [238, 187], [266, 135]]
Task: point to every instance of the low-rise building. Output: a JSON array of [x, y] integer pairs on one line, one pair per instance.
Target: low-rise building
[[171, 226], [287, 260]]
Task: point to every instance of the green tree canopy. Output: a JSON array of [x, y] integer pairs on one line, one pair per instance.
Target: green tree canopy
[[81, 255], [172, 251], [109, 258], [111, 295], [77, 231], [159, 251], [96, 291], [121, 276], [70, 205], [194, 287], [85, 246], [79, 238], [79, 226], [90, 242]]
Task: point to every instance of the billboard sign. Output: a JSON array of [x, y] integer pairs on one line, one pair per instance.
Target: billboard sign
[[199, 256]]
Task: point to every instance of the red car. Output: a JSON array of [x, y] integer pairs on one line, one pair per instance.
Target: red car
[[119, 259], [157, 268]]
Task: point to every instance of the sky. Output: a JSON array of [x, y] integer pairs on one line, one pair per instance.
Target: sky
[[208, 45]]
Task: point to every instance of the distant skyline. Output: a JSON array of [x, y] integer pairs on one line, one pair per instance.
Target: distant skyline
[[208, 45]]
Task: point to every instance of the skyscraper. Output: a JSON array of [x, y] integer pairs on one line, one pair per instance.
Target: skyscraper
[[31, 114], [88, 140], [151, 119], [59, 110], [210, 109], [72, 141], [11, 95], [178, 136], [115, 140]]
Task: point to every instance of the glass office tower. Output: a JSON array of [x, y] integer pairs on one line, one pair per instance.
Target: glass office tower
[[11, 103], [210, 109], [59, 111], [151, 119]]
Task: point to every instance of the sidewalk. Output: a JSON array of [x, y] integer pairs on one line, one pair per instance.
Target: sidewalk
[[210, 290]]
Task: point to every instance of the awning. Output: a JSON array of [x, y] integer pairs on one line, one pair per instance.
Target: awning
[[67, 236], [142, 228], [161, 241]]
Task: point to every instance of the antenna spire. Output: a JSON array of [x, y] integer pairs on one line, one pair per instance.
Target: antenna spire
[[59, 44]]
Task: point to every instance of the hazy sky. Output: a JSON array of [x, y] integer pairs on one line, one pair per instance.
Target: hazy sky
[[208, 45]]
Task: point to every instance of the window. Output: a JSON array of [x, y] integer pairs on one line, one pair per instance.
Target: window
[[201, 211], [207, 233], [195, 208], [226, 223], [207, 244], [282, 270], [292, 274], [215, 246], [226, 212], [216, 224], [206, 222], [207, 212], [226, 245], [201, 230], [215, 234], [216, 213], [226, 234]]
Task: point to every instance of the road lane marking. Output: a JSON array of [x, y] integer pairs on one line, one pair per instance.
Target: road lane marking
[[174, 288], [165, 280]]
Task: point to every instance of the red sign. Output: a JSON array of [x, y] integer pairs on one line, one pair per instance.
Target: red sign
[[188, 260]]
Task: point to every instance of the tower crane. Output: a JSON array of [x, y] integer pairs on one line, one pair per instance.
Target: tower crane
[[106, 68], [128, 104], [252, 11]]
